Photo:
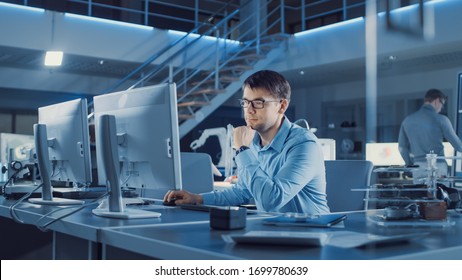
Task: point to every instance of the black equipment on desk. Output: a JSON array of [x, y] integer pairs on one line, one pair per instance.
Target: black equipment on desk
[[228, 218]]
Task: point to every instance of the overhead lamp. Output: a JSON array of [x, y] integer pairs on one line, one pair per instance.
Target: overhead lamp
[[53, 58]]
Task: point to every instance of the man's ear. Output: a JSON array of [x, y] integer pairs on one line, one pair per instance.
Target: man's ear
[[284, 106]]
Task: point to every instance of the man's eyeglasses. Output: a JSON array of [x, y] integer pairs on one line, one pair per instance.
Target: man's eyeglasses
[[256, 104], [442, 101]]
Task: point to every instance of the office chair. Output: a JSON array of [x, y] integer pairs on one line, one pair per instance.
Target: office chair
[[302, 123], [341, 177], [196, 172]]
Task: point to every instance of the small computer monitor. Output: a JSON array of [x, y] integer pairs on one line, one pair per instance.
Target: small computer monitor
[[148, 138], [63, 148], [328, 148], [386, 154], [15, 148]]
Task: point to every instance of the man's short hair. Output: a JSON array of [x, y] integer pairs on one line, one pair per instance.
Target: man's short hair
[[271, 81], [434, 94]]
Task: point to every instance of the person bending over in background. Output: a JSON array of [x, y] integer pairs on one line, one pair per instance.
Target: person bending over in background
[[423, 132], [279, 164]]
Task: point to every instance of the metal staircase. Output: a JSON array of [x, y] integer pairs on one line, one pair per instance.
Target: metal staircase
[[208, 76]]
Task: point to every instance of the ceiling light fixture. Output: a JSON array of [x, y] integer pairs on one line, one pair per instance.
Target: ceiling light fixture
[[53, 58]]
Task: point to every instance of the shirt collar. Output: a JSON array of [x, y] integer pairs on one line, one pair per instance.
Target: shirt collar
[[279, 139], [429, 107]]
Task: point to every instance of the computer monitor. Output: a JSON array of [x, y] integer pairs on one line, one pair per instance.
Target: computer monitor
[[386, 154], [16, 153], [328, 148], [63, 148], [148, 138]]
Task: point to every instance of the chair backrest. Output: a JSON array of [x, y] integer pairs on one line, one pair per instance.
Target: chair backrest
[[196, 172], [341, 177]]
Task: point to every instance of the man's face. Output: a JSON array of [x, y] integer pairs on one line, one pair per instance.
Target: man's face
[[441, 103], [261, 119], [438, 104]]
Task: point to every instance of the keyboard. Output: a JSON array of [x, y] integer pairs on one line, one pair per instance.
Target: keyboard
[[206, 208], [198, 207]]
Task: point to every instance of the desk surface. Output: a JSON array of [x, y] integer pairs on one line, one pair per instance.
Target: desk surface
[[84, 224], [185, 234], [198, 241]]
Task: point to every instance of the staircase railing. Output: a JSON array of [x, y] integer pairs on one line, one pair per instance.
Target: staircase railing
[[139, 70], [246, 45], [205, 66]]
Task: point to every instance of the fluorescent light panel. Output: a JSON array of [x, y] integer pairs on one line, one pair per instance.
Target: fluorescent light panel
[[398, 10], [21, 7], [330, 26], [53, 58], [108, 21], [194, 35]]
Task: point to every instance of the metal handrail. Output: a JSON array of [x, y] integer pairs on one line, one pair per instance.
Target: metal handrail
[[169, 47], [203, 61], [229, 59], [198, 67], [143, 9], [177, 53], [90, 4]]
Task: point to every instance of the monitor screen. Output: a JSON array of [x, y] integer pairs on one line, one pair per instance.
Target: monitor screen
[[15, 147], [148, 137], [328, 148], [69, 144], [386, 154]]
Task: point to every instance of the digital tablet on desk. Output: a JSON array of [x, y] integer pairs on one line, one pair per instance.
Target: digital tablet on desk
[[322, 221]]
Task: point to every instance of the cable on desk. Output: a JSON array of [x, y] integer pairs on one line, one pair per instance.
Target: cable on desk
[[80, 207], [9, 179], [24, 197]]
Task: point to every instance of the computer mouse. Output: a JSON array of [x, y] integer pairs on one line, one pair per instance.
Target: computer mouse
[[170, 203]]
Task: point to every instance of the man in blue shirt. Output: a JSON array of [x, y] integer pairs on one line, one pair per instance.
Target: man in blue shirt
[[279, 164], [422, 132]]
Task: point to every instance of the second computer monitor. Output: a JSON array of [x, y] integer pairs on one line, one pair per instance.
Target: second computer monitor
[[69, 149], [148, 138]]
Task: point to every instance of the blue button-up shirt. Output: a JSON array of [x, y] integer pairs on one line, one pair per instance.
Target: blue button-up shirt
[[288, 175]]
